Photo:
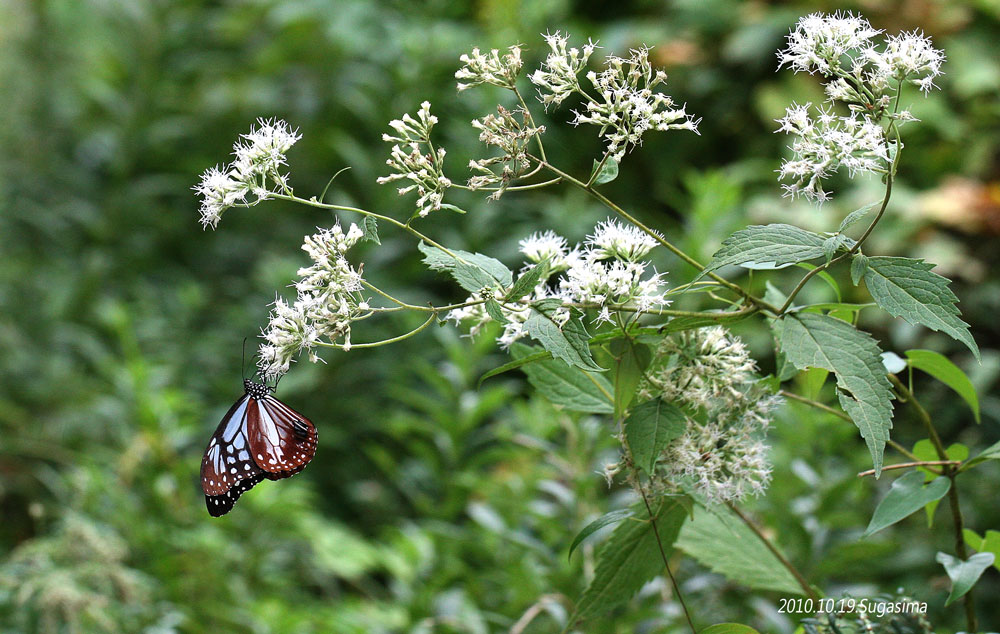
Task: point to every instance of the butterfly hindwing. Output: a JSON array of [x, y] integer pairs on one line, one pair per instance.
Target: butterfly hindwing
[[222, 504], [282, 441]]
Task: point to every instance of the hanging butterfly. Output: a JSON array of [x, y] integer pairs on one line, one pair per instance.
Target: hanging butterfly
[[259, 437]]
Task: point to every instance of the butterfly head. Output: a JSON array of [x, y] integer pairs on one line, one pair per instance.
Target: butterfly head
[[256, 389]]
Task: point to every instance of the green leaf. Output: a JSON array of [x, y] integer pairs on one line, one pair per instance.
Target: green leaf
[[907, 495], [729, 628], [527, 281], [964, 574], [826, 277], [722, 542], [564, 385], [767, 247], [859, 265], [571, 342], [608, 173], [988, 544], [449, 207], [629, 559], [369, 230], [516, 363], [678, 324], [905, 287], [820, 341], [612, 517], [649, 428], [495, 311], [924, 451], [855, 216], [990, 453], [473, 271], [631, 360], [939, 367]]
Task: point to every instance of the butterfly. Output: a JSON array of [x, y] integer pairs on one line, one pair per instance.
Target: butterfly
[[259, 437]]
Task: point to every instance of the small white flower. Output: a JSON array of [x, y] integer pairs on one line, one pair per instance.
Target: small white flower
[[819, 42], [910, 56], [490, 68], [612, 239], [510, 132], [413, 160], [557, 78], [544, 246], [255, 170]]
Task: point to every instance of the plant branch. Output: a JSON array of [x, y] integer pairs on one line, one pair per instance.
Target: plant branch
[[907, 465], [777, 553]]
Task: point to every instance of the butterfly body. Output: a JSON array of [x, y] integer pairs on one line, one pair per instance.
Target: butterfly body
[[259, 438]]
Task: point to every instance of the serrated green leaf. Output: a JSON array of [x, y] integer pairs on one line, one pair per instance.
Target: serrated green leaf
[[631, 359], [495, 311], [963, 574], [473, 271], [820, 341], [906, 496], [830, 246], [729, 628], [527, 281], [513, 365], [939, 367], [612, 517], [629, 559], [608, 173], [859, 264], [565, 385], [722, 542], [569, 342], [369, 230], [907, 288], [650, 427], [855, 216], [767, 246]]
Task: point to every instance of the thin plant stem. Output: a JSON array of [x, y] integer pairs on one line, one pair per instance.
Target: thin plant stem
[[799, 578], [385, 342], [950, 472], [907, 465], [666, 561]]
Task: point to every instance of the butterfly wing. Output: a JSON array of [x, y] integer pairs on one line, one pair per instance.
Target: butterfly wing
[[227, 461], [282, 441], [222, 504]]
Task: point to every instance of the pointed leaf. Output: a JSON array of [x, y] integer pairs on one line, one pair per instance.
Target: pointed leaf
[[527, 281], [608, 173], [631, 359], [722, 542], [988, 544], [907, 495], [767, 246], [855, 216], [859, 264], [629, 559], [964, 574], [607, 519], [569, 342], [513, 365], [650, 427], [905, 287], [564, 385], [820, 341], [369, 230], [473, 271], [495, 311], [990, 453], [939, 367]]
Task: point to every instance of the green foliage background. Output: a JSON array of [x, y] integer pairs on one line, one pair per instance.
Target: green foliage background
[[431, 506]]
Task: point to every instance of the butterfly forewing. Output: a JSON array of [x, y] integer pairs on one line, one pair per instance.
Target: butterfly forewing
[[227, 459], [282, 441]]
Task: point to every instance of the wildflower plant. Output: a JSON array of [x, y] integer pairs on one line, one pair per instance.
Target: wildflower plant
[[592, 324]]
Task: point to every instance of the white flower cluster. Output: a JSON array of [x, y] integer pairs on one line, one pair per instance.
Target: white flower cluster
[[510, 132], [259, 156], [628, 107], [721, 452], [557, 78], [408, 158], [490, 69], [824, 144], [862, 73], [328, 299], [605, 273]]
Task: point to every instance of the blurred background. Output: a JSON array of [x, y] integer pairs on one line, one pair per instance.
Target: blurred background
[[431, 506]]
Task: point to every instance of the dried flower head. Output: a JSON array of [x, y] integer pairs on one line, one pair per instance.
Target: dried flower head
[[509, 131]]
